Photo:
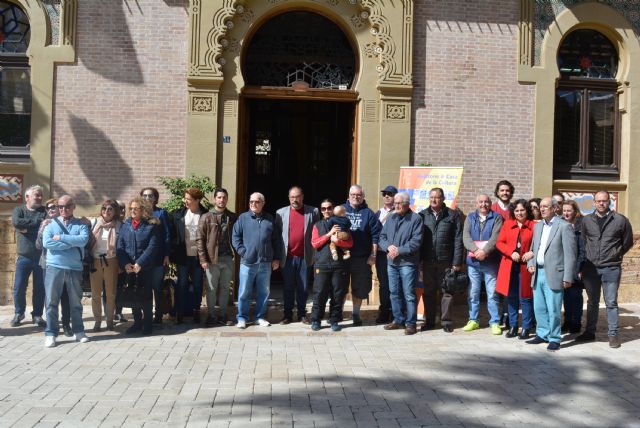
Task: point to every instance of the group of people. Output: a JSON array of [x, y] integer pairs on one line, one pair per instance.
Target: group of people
[[536, 254]]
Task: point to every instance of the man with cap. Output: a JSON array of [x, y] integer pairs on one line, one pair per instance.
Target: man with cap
[[384, 310]]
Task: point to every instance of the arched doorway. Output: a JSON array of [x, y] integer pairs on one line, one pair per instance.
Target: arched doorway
[[299, 69]]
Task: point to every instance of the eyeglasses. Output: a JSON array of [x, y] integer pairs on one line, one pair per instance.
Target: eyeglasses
[[326, 208], [107, 208], [356, 195], [148, 196], [255, 202], [134, 208], [535, 207], [387, 194], [51, 207], [65, 207]]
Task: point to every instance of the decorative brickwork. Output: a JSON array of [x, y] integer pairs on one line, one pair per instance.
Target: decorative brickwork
[[469, 109]]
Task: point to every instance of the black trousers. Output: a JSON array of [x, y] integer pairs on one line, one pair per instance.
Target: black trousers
[[329, 282], [383, 283], [433, 275], [146, 306]]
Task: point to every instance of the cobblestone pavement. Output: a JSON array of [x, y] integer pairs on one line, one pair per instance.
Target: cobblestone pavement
[[288, 376]]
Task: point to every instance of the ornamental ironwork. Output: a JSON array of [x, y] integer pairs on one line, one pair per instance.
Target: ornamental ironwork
[[300, 49], [14, 29]]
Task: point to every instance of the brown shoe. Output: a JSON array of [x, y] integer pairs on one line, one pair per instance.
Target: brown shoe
[[393, 326], [410, 330], [304, 319], [285, 321], [614, 342]]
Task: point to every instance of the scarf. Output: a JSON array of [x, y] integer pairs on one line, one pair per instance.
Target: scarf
[[113, 228]]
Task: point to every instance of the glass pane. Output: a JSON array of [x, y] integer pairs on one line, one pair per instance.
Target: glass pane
[[587, 53], [14, 28], [300, 49], [15, 107], [567, 128], [602, 116]]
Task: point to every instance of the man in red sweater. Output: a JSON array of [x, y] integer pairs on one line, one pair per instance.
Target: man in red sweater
[[504, 193]]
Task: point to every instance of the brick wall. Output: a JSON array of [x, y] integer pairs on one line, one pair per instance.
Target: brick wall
[[120, 112], [468, 107]]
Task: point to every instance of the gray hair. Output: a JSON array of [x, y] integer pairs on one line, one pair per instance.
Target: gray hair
[[257, 195], [356, 186], [32, 189], [554, 202], [404, 197]]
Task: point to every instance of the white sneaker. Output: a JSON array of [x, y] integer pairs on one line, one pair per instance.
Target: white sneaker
[[81, 337], [263, 322], [241, 324], [49, 341]]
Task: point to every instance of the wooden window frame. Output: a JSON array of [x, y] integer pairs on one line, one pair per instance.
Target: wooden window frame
[[18, 154]]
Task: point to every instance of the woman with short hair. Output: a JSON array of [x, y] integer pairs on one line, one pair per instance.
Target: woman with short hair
[[573, 299]]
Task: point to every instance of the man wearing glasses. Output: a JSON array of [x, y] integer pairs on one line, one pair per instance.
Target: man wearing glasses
[[64, 238], [26, 220], [256, 238], [365, 230], [151, 195], [384, 311]]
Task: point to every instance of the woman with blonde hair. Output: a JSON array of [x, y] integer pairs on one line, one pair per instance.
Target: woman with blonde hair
[[105, 264], [138, 249]]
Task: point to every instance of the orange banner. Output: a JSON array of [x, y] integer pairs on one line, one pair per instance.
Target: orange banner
[[418, 180]]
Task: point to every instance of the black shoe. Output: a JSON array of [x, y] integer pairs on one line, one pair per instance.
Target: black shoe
[[524, 334], [39, 321], [447, 328], [553, 346], [513, 332], [211, 322], [285, 321], [120, 318], [427, 326], [196, 317], [357, 321], [586, 337], [383, 318], [16, 320], [135, 328], [565, 328], [179, 319], [575, 328], [146, 332], [535, 341], [66, 328], [157, 319], [304, 319]]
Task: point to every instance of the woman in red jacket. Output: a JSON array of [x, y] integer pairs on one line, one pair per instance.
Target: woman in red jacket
[[514, 281]]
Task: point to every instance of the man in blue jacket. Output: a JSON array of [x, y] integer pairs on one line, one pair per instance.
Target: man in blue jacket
[[64, 238], [365, 230], [401, 238], [257, 240]]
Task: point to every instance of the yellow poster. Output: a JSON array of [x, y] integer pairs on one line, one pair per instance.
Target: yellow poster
[[418, 180]]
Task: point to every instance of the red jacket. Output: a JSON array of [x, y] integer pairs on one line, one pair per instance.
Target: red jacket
[[506, 244]]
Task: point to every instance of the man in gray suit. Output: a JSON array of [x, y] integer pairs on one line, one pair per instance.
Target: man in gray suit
[[296, 223], [553, 269]]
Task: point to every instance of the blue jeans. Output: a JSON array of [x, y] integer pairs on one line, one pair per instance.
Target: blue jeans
[[607, 279], [490, 273], [295, 273], [24, 267], [402, 280], [57, 280], [253, 277], [192, 269], [514, 301], [547, 304]]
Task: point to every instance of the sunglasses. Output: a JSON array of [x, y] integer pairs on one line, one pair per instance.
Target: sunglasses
[[323, 209], [65, 207], [107, 208], [387, 194], [51, 207], [148, 196]]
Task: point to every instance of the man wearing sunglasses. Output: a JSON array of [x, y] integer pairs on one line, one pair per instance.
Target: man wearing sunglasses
[[384, 311], [26, 220], [64, 238]]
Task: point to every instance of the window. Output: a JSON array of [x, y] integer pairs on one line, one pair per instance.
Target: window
[[15, 84], [587, 137]]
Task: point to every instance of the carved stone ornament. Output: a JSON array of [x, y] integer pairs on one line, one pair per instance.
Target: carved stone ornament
[[202, 104], [396, 112]]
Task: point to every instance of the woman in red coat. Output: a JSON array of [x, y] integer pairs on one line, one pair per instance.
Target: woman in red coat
[[514, 281]]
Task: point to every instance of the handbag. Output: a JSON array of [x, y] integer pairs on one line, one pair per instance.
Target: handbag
[[455, 281], [131, 295], [167, 293]]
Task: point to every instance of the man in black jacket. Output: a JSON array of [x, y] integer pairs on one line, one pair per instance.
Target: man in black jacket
[[607, 238], [442, 248]]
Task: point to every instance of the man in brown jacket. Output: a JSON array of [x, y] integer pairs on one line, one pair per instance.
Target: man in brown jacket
[[216, 255]]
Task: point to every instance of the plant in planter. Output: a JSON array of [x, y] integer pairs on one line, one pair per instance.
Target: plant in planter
[[177, 186]]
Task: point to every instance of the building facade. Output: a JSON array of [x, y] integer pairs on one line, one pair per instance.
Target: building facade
[[262, 94]]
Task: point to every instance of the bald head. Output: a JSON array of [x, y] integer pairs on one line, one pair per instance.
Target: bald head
[[256, 202], [547, 208], [66, 205]]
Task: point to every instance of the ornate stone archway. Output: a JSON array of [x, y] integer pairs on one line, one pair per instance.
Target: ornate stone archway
[[382, 32]]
